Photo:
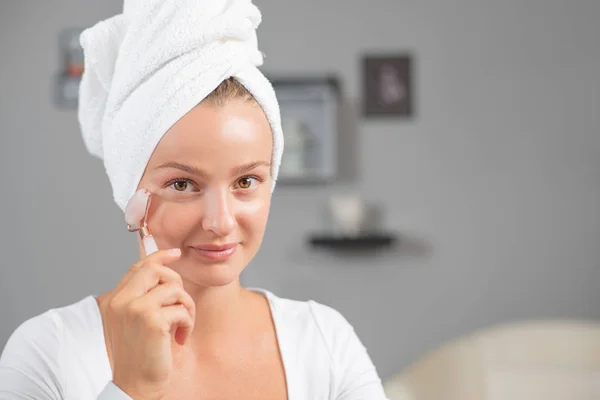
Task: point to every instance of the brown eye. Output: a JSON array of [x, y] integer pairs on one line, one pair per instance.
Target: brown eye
[[180, 186], [245, 183]]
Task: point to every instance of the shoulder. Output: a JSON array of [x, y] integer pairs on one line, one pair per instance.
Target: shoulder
[[332, 324], [46, 332], [315, 320], [308, 311], [328, 340], [40, 335], [54, 325], [35, 353]]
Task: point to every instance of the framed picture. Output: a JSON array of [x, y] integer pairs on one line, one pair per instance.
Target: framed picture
[[66, 90], [309, 115], [387, 85]]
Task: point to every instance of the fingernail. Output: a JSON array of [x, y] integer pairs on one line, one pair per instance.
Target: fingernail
[[175, 252]]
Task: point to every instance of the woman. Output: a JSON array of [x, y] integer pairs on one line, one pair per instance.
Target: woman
[[179, 325]]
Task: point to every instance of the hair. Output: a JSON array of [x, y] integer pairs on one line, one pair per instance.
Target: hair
[[229, 89]]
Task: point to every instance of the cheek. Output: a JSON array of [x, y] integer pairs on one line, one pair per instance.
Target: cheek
[[253, 215], [172, 222]]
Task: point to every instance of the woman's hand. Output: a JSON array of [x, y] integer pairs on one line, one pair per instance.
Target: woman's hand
[[143, 313]]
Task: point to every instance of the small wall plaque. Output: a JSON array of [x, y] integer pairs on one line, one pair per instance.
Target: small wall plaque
[[387, 85]]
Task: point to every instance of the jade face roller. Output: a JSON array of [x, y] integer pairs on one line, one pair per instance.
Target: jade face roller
[[136, 215]]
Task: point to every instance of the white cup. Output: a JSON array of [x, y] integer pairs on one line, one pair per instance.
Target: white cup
[[348, 213]]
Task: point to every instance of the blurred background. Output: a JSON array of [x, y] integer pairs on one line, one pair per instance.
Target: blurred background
[[488, 183]]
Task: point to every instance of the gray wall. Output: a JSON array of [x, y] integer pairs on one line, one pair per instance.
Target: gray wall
[[495, 184]]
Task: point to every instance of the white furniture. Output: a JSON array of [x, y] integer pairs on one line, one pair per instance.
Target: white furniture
[[538, 360]]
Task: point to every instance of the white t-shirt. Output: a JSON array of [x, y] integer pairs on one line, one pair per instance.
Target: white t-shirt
[[61, 354]]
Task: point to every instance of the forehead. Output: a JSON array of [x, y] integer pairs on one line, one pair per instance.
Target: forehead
[[238, 129]]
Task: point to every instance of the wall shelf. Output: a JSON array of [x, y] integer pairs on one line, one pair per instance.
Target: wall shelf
[[363, 242]]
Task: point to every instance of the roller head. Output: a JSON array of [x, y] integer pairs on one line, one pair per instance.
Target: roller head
[[135, 212]]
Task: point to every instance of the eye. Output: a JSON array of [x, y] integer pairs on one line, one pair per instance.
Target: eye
[[247, 181], [181, 185]]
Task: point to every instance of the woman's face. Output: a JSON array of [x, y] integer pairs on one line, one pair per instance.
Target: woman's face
[[210, 178]]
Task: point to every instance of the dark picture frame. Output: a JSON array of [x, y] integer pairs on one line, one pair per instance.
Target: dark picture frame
[[388, 88]]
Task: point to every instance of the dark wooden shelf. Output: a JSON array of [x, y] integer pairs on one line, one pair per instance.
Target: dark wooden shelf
[[363, 242]]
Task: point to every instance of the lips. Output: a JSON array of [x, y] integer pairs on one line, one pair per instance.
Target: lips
[[215, 252]]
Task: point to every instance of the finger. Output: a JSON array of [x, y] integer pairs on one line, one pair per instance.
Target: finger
[[169, 294], [148, 277], [163, 257], [177, 320]]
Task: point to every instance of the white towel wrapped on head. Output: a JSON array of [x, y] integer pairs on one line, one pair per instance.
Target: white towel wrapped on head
[[147, 67]]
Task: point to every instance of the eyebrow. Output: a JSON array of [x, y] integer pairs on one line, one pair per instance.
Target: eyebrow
[[250, 166], [183, 167], [199, 172]]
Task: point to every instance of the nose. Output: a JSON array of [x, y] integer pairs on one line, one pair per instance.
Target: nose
[[218, 214]]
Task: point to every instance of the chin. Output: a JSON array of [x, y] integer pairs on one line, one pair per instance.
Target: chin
[[208, 275]]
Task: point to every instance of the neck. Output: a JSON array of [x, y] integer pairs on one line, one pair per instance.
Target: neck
[[218, 309]]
